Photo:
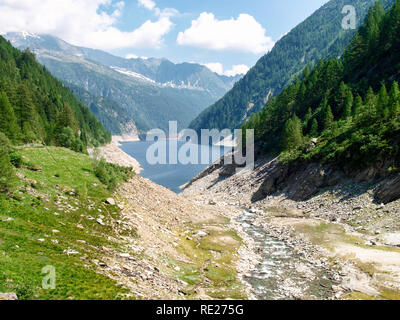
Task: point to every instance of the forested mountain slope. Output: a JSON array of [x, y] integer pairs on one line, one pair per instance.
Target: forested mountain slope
[[114, 118], [345, 111], [320, 36], [34, 106]]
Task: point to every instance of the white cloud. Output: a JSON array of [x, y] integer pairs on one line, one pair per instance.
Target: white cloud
[[219, 69], [148, 4], [215, 67], [238, 69], [151, 5], [241, 34], [81, 22], [131, 56]]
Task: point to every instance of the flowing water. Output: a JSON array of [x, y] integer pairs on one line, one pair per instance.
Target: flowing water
[[282, 274]]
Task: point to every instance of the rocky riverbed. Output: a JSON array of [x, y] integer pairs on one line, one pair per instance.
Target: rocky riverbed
[[348, 241]]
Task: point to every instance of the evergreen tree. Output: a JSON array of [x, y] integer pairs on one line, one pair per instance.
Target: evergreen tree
[[383, 102], [307, 119], [8, 121], [394, 99], [348, 105], [358, 105], [314, 129], [293, 135], [24, 107], [329, 118], [7, 176]]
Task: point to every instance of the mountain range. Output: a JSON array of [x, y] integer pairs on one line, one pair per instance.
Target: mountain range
[[128, 95]]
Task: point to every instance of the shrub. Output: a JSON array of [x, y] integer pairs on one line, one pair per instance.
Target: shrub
[[111, 174], [16, 160]]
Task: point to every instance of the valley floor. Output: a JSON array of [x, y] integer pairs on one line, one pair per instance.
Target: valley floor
[[341, 229], [145, 242]]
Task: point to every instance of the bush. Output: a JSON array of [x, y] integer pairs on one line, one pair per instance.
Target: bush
[[111, 174], [68, 139], [16, 160]]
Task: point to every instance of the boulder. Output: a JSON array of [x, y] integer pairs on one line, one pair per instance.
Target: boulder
[[388, 191], [110, 201], [228, 170], [8, 296]]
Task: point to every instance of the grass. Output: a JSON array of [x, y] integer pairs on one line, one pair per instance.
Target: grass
[[213, 269], [48, 214]]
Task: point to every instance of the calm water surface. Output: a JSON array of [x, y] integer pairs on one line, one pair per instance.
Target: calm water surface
[[170, 176]]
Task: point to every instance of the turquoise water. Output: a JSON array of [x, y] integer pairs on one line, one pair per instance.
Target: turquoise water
[[171, 176]]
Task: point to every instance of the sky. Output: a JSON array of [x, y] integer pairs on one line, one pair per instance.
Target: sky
[[228, 36]]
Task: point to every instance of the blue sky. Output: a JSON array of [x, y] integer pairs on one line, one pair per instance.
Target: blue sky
[[276, 17], [219, 33]]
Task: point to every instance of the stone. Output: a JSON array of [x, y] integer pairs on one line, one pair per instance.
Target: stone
[[388, 191], [202, 234], [70, 252], [110, 201], [8, 296], [100, 222]]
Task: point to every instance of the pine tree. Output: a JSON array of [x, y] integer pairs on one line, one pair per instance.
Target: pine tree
[[394, 99], [383, 102], [329, 118], [348, 106], [7, 176], [358, 105], [314, 129], [66, 118], [340, 98], [370, 98], [307, 119], [8, 121], [293, 134]]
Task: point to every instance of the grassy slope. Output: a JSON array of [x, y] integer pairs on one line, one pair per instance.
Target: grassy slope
[[43, 195], [47, 220]]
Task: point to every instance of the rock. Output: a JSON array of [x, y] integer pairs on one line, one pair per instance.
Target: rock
[[8, 296], [100, 221], [228, 170], [201, 234], [391, 239], [299, 181], [388, 191], [110, 201], [70, 252]]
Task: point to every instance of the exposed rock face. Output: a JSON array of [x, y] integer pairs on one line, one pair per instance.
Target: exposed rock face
[[388, 190], [299, 182]]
